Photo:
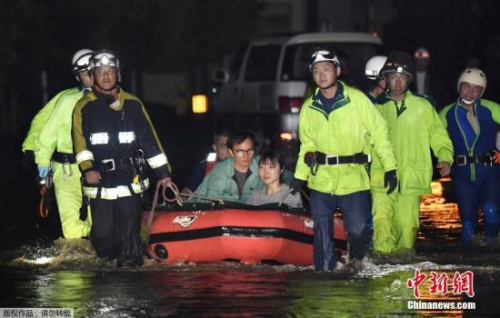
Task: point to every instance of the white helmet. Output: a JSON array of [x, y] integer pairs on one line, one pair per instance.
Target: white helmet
[[323, 55], [473, 76], [374, 65], [81, 60], [104, 58]]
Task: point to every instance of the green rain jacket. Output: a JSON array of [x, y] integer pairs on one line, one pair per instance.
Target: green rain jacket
[[220, 183], [345, 130], [56, 134], [414, 129], [40, 119]]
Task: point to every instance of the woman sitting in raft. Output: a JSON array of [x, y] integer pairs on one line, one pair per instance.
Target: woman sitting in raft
[[270, 171]]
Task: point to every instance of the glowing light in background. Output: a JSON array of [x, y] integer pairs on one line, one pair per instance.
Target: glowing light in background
[[200, 104]]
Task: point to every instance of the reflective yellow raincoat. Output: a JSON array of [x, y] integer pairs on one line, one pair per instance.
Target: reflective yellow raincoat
[[414, 129]]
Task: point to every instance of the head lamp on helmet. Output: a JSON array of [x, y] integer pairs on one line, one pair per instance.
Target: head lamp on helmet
[[323, 55], [399, 62], [99, 64], [104, 58], [81, 60], [421, 54]]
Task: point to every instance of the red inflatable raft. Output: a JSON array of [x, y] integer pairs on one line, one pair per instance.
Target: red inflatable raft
[[204, 233]]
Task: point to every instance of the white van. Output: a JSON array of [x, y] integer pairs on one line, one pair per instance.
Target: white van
[[268, 79]]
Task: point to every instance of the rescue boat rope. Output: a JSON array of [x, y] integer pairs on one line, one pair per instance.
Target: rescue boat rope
[[305, 195], [42, 211], [175, 190], [178, 194], [150, 222], [173, 187], [202, 197]]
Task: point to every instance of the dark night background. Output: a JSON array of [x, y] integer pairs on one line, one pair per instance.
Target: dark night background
[[193, 37]]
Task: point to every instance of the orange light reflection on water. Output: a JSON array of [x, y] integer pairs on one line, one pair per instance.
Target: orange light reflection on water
[[437, 216]]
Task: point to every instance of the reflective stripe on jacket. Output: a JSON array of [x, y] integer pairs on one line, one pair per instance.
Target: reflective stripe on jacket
[[113, 135]]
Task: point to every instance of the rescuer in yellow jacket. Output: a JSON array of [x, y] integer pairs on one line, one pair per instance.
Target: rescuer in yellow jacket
[[29, 144], [335, 125], [414, 129], [55, 149]]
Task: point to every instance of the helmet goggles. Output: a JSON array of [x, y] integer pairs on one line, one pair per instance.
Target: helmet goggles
[[322, 56], [81, 60], [103, 59]]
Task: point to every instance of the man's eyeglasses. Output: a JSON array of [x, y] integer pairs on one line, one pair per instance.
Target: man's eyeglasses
[[241, 152]]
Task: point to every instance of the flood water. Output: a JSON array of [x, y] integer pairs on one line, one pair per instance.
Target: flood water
[[65, 274]]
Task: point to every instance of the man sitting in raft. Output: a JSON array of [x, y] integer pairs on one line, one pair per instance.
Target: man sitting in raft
[[235, 178]]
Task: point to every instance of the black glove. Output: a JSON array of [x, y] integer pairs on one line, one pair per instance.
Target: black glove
[[28, 160], [391, 180], [296, 185]]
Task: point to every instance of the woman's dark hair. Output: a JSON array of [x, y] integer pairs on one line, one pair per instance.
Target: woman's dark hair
[[239, 137], [272, 157]]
